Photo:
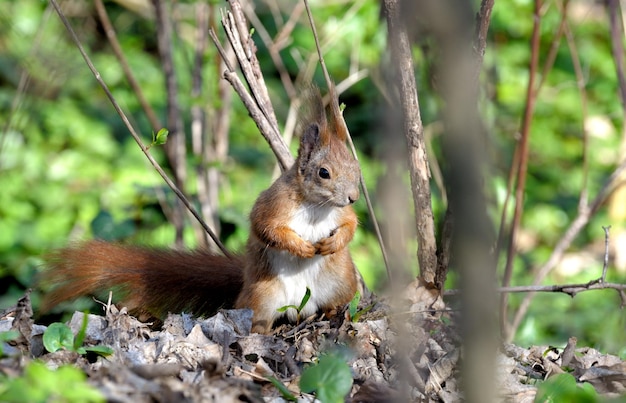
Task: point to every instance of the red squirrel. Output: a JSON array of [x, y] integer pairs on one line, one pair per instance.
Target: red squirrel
[[299, 233]]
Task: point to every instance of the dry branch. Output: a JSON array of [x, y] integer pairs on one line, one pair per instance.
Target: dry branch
[[414, 131], [522, 159], [585, 210], [109, 30], [175, 148], [334, 103], [570, 289], [131, 129], [256, 101]]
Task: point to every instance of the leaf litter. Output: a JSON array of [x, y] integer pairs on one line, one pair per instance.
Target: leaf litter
[[409, 355]]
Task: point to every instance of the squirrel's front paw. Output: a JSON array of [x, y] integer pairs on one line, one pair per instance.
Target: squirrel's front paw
[[306, 250], [326, 246]]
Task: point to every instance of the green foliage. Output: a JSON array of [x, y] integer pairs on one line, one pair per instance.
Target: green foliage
[[41, 384], [330, 378], [305, 299], [159, 138], [59, 336], [355, 314], [563, 388]]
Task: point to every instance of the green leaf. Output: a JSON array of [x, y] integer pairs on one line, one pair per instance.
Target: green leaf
[[80, 336], [284, 308], [41, 384], [354, 303], [286, 393], [563, 388], [100, 350], [161, 137], [305, 299], [58, 336], [330, 379], [363, 311]]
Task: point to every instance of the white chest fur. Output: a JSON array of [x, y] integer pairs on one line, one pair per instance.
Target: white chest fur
[[296, 274], [314, 223]]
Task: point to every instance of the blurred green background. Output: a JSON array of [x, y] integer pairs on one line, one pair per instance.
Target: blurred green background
[[70, 171]]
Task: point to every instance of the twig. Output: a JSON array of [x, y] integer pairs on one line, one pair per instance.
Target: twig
[[237, 31], [570, 289], [585, 211], [109, 30], [483, 19], [554, 49], [617, 47], [176, 145], [572, 231], [208, 206], [132, 130], [605, 265], [523, 161], [334, 102], [258, 105], [274, 47]]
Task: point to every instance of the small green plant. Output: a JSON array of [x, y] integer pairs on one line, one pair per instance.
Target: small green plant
[[355, 314], [563, 388], [159, 138], [298, 308], [42, 384], [59, 335], [330, 378]]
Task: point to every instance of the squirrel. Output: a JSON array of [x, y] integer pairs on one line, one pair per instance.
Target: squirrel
[[300, 228]]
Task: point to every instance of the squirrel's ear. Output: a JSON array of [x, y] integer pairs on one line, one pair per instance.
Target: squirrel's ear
[[309, 142]]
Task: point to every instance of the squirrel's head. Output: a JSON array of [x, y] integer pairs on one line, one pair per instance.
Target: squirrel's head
[[327, 171]]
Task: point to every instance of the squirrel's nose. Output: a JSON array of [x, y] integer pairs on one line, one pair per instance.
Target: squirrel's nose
[[353, 196]]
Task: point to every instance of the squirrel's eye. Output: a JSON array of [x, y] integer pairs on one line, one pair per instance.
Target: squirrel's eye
[[324, 174]]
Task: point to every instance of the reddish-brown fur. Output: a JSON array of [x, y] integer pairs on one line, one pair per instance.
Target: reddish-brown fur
[[148, 280], [300, 230]]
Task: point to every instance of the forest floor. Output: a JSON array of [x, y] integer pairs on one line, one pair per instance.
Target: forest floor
[[363, 354]]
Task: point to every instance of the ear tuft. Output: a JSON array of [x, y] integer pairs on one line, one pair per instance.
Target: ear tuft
[[309, 142], [336, 117]]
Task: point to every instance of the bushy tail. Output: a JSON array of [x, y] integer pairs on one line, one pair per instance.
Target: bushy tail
[[146, 280]]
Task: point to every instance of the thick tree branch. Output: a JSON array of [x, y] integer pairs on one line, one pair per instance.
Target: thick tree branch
[[419, 170]]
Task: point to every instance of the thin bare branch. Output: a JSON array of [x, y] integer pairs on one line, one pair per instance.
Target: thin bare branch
[[570, 289], [175, 148], [131, 129], [119, 54], [258, 104], [523, 160], [274, 47], [245, 49], [334, 102], [605, 265], [617, 48], [570, 234]]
